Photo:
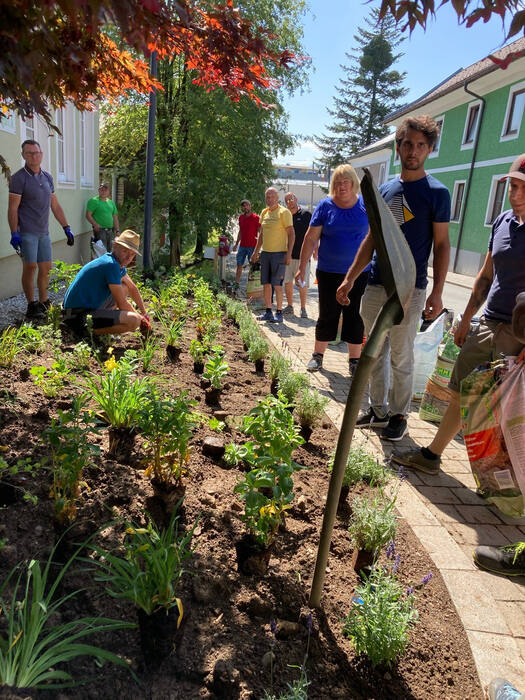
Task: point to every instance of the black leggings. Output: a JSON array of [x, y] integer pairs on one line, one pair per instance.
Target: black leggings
[[330, 309]]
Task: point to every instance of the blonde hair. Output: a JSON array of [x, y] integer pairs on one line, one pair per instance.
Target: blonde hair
[[346, 172]]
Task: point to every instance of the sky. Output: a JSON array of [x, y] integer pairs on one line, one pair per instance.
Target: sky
[[429, 57]]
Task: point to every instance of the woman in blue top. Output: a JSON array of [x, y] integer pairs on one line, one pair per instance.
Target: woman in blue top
[[339, 224]]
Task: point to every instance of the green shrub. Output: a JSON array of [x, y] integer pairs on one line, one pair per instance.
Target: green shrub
[[373, 522], [362, 466], [310, 406]]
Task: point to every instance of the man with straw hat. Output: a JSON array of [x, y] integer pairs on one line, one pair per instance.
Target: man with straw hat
[[101, 290]]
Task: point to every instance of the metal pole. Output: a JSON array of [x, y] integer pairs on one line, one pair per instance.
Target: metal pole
[[150, 152], [312, 190], [388, 315]]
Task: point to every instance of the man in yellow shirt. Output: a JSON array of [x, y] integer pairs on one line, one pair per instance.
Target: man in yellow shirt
[[275, 242]]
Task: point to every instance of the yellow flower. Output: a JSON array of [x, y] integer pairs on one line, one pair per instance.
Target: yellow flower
[[110, 351], [110, 364]]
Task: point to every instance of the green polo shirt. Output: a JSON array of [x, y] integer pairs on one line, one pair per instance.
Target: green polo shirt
[[103, 211]]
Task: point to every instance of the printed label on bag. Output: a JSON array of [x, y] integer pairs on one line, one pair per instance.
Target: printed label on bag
[[504, 479]]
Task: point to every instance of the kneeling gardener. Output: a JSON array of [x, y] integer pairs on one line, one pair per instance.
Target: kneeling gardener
[[101, 288]]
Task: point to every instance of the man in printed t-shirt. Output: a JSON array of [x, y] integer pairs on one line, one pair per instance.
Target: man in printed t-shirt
[[247, 237], [421, 206], [275, 241]]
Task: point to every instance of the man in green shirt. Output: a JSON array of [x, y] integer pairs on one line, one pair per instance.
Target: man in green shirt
[[102, 214]]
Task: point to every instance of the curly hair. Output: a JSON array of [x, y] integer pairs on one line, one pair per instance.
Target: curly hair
[[424, 123]]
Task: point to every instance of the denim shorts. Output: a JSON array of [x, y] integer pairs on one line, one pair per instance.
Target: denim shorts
[[36, 247], [244, 253]]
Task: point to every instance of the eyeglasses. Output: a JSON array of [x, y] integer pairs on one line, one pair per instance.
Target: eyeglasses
[[32, 153]]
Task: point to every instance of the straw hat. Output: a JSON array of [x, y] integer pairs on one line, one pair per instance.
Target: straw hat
[[130, 240]]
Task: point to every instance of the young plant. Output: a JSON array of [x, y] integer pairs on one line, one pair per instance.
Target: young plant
[[50, 381], [71, 452], [147, 352], [54, 316], [381, 617], [310, 407], [118, 394], [167, 425], [79, 359], [10, 341], [373, 522], [279, 365], [150, 571], [32, 645], [198, 350], [291, 384], [362, 466], [216, 368], [216, 425], [257, 348], [173, 331], [61, 275]]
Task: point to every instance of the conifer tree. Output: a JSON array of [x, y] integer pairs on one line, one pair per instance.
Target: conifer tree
[[368, 92]]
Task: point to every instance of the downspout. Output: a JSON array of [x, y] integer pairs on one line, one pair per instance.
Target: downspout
[[471, 171]]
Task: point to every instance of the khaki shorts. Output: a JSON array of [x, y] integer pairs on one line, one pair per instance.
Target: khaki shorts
[[492, 340], [291, 271]]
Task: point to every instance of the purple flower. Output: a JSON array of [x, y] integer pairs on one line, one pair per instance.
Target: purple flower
[[273, 626], [410, 590], [427, 578], [396, 563], [390, 550], [401, 473]]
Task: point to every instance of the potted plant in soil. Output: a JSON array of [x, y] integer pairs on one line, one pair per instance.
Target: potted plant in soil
[[214, 370], [290, 385], [309, 410], [173, 330], [166, 424], [279, 366], [198, 350], [120, 398], [257, 351], [361, 466], [148, 576], [372, 525]]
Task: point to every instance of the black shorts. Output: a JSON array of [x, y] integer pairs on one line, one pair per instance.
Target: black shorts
[[273, 268], [330, 310], [102, 318]]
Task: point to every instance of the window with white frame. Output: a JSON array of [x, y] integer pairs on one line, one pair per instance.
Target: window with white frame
[[471, 125], [35, 129], [498, 190], [8, 122], [514, 112], [65, 145], [435, 150], [86, 148], [457, 200]]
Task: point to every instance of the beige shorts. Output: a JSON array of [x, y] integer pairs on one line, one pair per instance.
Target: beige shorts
[[291, 271], [492, 340]]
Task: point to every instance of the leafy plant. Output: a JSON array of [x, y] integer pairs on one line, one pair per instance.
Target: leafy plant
[[198, 349], [235, 454], [381, 618], [9, 345], [71, 452], [50, 381], [61, 275], [173, 331], [373, 522], [216, 425], [362, 466], [166, 423], [31, 646], [258, 348], [118, 394], [27, 466], [216, 368], [150, 571], [54, 316], [291, 384], [310, 407], [279, 365], [147, 352], [80, 357], [298, 690]]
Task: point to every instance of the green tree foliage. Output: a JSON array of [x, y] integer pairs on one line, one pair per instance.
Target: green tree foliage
[[210, 151], [369, 91]]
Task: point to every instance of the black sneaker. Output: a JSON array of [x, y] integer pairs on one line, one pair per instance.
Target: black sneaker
[[44, 306], [34, 310], [396, 429], [370, 420], [315, 363], [509, 561]]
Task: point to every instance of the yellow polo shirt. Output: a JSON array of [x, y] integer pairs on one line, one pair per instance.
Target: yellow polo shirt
[[273, 229]]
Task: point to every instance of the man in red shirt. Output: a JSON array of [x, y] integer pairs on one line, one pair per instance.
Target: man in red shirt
[[248, 225]]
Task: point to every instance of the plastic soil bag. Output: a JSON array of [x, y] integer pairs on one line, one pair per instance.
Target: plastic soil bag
[[492, 408], [425, 352]]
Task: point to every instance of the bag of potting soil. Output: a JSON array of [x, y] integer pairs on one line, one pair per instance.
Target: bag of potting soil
[[254, 288], [425, 352], [436, 396], [493, 422]]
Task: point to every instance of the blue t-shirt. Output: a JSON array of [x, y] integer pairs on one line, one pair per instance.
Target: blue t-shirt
[[89, 289], [416, 206], [36, 190], [507, 246], [342, 234]]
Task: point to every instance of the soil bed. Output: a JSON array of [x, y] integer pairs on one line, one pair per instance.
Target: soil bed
[[227, 614]]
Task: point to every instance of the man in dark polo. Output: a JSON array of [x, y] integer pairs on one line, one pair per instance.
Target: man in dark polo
[[301, 222], [31, 196]]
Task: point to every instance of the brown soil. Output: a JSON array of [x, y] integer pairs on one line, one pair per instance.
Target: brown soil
[[227, 615]]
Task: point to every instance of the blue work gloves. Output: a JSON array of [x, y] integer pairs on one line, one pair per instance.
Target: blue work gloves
[[16, 241], [69, 235]]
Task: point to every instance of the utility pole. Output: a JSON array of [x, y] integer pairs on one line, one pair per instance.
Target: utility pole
[[150, 152]]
